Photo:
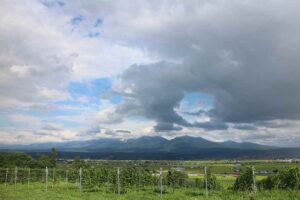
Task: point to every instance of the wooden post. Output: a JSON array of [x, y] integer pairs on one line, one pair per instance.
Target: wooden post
[[16, 177], [161, 186], [118, 180], [6, 174], [80, 179], [46, 179], [254, 180], [28, 176], [206, 188]]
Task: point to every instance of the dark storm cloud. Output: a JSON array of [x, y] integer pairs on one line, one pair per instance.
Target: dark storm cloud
[[245, 55], [161, 127]]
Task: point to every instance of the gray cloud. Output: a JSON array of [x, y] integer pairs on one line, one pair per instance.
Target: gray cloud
[[123, 131], [245, 55], [160, 127], [245, 127]]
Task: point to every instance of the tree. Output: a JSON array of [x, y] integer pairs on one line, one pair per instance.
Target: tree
[[289, 179], [245, 181], [211, 180], [285, 179], [77, 163], [170, 180], [53, 157], [270, 182], [15, 159], [44, 161]]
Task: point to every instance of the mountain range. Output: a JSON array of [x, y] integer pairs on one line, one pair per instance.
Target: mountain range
[[185, 147]]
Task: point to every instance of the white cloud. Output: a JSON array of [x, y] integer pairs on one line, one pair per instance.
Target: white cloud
[[20, 71], [52, 94], [26, 120], [41, 54]]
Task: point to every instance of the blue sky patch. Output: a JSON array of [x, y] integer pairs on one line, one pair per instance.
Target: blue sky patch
[[98, 23], [94, 34], [77, 19], [198, 99]]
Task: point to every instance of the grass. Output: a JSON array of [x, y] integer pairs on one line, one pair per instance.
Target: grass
[[36, 191]]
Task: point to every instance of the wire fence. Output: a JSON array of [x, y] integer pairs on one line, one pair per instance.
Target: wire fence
[[111, 180]]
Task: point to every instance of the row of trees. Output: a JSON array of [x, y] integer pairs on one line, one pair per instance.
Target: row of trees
[[98, 178], [284, 179], [24, 160], [95, 178], [139, 178]]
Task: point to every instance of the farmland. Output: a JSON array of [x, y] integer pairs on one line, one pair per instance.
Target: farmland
[[109, 179]]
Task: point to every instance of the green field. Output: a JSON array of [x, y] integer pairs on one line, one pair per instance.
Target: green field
[[69, 192]]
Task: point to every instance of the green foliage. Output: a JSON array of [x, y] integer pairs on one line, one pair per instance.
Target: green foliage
[[289, 179], [198, 183], [92, 179], [211, 180], [44, 161], [176, 179], [53, 157], [245, 181], [77, 163], [284, 179], [269, 183], [15, 159]]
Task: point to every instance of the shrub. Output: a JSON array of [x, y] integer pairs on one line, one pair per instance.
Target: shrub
[[285, 179], [245, 181], [289, 179], [211, 180]]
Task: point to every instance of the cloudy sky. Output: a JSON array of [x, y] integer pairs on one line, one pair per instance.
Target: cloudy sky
[[218, 69]]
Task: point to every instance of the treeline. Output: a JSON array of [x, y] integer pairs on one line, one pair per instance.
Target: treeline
[[25, 160], [284, 179]]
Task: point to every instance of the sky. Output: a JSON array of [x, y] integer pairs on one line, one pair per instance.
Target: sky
[[217, 69]]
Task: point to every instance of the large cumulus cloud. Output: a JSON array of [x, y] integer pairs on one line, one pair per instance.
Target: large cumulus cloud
[[243, 54]]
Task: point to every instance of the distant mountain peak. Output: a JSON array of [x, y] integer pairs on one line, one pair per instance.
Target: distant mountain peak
[[144, 143]]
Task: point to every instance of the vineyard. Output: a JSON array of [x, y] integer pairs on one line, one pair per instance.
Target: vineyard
[[133, 182]]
